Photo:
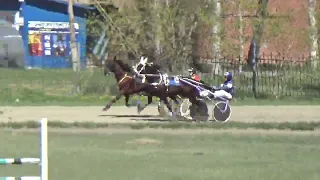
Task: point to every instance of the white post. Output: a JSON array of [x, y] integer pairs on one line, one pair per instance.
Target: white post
[[44, 149]]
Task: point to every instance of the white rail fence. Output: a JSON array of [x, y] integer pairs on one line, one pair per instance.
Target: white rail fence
[[42, 161]]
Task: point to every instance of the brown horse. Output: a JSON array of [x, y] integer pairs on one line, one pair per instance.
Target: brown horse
[[128, 85]]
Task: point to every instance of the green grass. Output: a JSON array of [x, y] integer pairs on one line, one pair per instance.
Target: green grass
[[299, 126], [187, 157], [57, 87]]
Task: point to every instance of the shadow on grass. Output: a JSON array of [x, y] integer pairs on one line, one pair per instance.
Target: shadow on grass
[[151, 120], [145, 118]]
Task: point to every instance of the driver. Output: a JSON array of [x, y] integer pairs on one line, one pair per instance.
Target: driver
[[193, 74], [226, 90]]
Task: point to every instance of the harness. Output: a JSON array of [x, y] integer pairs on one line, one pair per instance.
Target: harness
[[124, 77]]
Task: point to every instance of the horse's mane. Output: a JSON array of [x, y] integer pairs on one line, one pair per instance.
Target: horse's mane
[[156, 66], [123, 65]]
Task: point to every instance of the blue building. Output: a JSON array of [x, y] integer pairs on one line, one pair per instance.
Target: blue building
[[44, 28]]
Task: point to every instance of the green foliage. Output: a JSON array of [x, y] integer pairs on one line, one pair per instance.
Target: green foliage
[[155, 26]]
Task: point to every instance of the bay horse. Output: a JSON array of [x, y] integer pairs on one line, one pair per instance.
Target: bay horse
[[128, 85], [151, 73], [162, 91]]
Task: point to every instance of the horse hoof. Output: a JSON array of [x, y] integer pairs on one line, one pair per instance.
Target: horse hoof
[[172, 114], [105, 109], [139, 109]]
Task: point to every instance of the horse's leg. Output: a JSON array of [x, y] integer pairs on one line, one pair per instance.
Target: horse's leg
[[112, 101], [194, 106], [141, 108], [138, 101], [165, 100], [174, 98], [135, 90], [127, 100]]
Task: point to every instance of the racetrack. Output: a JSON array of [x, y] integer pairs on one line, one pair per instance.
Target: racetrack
[[121, 114]]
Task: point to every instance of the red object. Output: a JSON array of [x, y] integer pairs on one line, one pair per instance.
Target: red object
[[196, 77]]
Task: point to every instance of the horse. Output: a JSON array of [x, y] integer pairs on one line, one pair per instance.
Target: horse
[[151, 73], [128, 85]]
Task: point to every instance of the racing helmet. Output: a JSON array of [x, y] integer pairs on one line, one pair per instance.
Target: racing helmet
[[228, 75]]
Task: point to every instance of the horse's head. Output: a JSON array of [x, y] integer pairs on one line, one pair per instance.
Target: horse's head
[[110, 66], [144, 67], [115, 66], [140, 67]]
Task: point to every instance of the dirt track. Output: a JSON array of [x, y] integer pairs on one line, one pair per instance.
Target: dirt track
[[121, 114]]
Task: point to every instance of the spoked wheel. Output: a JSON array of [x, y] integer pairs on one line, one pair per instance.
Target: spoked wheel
[[221, 111], [185, 109]]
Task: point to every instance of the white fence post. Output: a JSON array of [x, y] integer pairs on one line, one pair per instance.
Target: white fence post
[[43, 160], [44, 149]]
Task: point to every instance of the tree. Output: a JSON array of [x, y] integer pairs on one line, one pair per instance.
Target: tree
[[73, 40], [240, 29], [254, 49], [216, 28], [313, 33]]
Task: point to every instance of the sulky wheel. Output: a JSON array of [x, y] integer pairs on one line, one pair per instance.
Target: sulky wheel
[[185, 109], [221, 111]]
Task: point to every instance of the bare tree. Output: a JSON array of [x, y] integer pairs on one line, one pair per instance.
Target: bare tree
[[157, 28], [254, 49], [313, 33], [216, 28], [216, 33], [74, 48], [73, 40], [240, 29]]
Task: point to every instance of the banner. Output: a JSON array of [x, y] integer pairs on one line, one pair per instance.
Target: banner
[[50, 38]]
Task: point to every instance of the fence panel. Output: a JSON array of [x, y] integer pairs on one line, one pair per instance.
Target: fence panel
[[278, 76]]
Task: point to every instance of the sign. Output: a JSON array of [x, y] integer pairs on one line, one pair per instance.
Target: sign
[[50, 38], [53, 27]]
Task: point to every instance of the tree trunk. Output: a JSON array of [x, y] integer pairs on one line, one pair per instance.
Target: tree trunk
[[241, 42], [74, 48], [313, 34], [157, 30], [216, 35], [216, 29], [73, 40], [254, 50]]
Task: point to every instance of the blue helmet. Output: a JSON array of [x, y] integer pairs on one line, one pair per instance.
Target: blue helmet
[[228, 75]]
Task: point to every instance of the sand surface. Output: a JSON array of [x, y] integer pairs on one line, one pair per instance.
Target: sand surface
[[121, 114]]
